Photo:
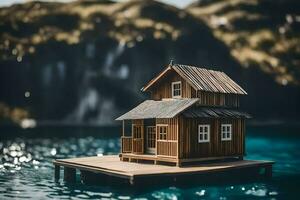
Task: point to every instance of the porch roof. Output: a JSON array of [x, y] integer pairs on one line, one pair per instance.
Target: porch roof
[[214, 112], [158, 109]]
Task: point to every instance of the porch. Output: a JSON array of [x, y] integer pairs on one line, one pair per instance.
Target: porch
[[155, 159], [153, 130], [150, 139]]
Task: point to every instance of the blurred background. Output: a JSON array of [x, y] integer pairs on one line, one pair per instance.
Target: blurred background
[[69, 68], [84, 62]]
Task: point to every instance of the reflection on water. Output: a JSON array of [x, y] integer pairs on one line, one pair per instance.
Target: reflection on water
[[26, 170]]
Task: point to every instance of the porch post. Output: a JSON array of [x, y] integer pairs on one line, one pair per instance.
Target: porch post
[[123, 134], [123, 127]]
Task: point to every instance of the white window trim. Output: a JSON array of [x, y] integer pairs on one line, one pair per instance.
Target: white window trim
[[208, 133], [226, 138], [178, 96]]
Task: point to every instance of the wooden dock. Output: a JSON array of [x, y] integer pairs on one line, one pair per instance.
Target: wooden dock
[[110, 167]]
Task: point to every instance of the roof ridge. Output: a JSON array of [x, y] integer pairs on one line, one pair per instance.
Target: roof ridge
[[202, 68], [202, 78]]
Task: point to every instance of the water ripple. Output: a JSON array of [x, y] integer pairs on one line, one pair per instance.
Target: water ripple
[[26, 168]]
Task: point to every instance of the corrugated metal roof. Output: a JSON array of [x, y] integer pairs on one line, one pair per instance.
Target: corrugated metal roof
[[210, 112], [158, 109], [203, 79]]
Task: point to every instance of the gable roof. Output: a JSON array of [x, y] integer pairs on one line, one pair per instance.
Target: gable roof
[[158, 109], [202, 79]]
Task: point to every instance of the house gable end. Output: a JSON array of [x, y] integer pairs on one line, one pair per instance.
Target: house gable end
[[171, 85]]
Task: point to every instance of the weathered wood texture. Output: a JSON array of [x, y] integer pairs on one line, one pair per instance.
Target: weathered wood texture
[[218, 99], [167, 147], [151, 109], [163, 89], [201, 79], [138, 136], [190, 148], [112, 166], [126, 144]]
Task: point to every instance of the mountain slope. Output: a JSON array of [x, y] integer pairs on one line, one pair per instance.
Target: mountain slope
[[85, 61], [259, 33]]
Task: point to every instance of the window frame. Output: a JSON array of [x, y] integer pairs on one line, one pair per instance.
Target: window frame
[[226, 132], [180, 89], [203, 126], [159, 133]]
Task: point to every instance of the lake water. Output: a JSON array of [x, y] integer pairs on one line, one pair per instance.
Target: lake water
[[26, 169]]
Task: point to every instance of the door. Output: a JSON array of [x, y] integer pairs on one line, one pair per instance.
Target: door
[[151, 139], [137, 139]]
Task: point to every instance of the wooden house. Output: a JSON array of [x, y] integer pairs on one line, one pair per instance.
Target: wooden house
[[192, 116]]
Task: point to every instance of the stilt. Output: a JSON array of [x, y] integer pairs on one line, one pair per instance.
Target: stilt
[[69, 174], [56, 172], [268, 171], [131, 181]]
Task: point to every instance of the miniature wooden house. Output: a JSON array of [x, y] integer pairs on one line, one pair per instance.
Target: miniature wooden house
[[192, 116]]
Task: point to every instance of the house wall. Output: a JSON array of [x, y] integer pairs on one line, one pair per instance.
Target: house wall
[[168, 147], [163, 89], [218, 99], [190, 148], [138, 144]]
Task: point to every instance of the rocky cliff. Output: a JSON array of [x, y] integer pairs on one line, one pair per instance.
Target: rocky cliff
[[85, 61]]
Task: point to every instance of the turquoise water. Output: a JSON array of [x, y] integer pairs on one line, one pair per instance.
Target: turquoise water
[[26, 169]]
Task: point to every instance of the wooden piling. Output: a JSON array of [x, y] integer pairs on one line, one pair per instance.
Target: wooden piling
[[268, 171], [56, 172], [69, 174]]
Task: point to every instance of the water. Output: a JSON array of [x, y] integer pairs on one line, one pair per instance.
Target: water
[[26, 169]]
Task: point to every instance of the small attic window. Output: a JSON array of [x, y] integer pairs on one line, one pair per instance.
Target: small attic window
[[176, 89]]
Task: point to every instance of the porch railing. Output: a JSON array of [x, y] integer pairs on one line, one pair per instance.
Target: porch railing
[[167, 148], [126, 144], [138, 146]]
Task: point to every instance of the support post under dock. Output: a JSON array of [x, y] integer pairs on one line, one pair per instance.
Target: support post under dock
[[56, 172], [69, 174], [110, 168], [268, 171]]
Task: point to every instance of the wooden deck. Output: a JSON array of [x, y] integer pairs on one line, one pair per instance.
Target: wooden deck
[[111, 166]]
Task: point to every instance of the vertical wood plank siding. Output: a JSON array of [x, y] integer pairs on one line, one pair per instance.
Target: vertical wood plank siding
[[218, 99], [138, 144], [126, 144], [168, 147], [190, 148], [163, 89]]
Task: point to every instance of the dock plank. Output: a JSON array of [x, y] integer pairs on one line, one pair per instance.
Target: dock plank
[[113, 166]]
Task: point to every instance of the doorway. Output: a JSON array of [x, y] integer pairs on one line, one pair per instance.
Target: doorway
[[151, 139], [137, 139]]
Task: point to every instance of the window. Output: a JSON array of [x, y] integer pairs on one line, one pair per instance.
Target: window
[[203, 133], [176, 89], [226, 132], [162, 132]]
